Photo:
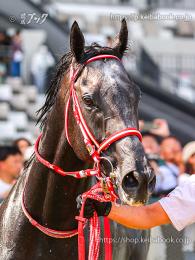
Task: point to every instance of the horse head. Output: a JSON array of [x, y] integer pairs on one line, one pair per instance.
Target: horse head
[[109, 103]]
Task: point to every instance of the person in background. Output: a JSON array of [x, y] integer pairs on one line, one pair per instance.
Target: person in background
[[168, 172], [166, 177], [171, 152], [11, 164], [41, 62], [4, 55], [189, 157], [151, 144], [17, 55], [158, 127], [165, 181], [22, 144]]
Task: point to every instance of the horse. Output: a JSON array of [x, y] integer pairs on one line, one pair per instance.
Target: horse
[[108, 100]]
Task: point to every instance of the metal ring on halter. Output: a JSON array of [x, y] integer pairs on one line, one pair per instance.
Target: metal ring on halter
[[112, 168]]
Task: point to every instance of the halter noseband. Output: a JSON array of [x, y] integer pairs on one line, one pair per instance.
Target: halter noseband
[[93, 147]]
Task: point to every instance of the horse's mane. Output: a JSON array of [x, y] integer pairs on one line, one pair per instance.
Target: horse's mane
[[62, 67]]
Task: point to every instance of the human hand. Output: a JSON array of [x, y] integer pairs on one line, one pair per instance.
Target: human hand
[[162, 128], [101, 208]]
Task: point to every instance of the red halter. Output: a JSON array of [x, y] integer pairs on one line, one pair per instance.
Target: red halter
[[94, 149]]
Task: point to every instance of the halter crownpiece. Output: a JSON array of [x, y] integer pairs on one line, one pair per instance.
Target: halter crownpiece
[[97, 191]]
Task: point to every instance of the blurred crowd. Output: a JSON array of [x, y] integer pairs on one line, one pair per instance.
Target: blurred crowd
[[12, 56], [171, 162]]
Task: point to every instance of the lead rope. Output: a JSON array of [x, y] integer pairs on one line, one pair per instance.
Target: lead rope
[[96, 193]]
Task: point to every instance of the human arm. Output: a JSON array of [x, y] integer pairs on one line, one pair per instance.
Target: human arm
[[142, 217], [162, 127]]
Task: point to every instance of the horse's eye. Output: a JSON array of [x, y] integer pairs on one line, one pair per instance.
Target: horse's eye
[[88, 101]]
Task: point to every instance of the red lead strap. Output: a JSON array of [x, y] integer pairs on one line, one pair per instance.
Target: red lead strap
[[107, 239], [95, 193]]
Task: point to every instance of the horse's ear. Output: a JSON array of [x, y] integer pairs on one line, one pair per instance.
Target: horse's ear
[[77, 41], [120, 42]]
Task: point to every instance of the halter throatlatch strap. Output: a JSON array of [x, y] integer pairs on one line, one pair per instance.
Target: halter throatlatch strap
[[97, 191]]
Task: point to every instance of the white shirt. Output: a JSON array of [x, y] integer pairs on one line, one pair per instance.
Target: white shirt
[[4, 187], [180, 204]]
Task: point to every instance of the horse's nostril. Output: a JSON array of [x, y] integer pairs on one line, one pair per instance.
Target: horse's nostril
[[130, 181]]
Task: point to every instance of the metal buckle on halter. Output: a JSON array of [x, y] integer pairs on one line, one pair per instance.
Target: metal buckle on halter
[[86, 173], [112, 175], [108, 185], [108, 188], [82, 174], [105, 187], [92, 152], [90, 148]]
